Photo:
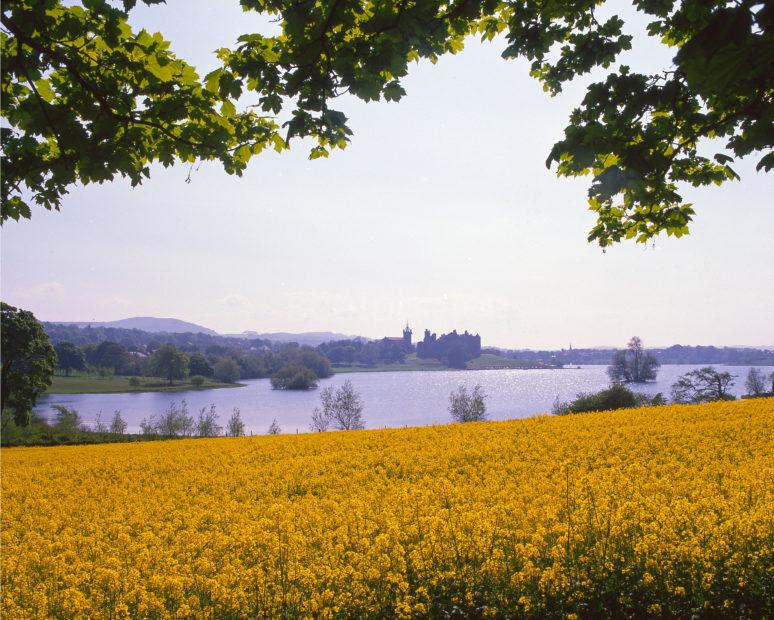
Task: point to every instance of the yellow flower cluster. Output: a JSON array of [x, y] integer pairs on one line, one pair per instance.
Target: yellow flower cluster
[[665, 511]]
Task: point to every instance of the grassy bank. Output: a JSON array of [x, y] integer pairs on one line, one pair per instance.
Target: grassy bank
[[486, 361], [662, 512], [94, 384]]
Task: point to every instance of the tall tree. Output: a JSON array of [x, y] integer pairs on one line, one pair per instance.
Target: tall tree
[[702, 386], [69, 357], [633, 365], [28, 361], [169, 363], [87, 97], [755, 382]]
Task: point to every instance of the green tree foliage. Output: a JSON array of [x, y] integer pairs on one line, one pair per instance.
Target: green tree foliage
[[465, 407], [197, 381], [88, 97], [235, 427], [67, 420], [28, 361], [207, 422], [294, 377], [199, 365], [108, 355], [169, 363], [633, 365], [226, 370], [69, 357], [617, 396], [702, 386]]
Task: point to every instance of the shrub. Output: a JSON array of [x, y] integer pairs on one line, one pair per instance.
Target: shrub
[[616, 396], [197, 381], [274, 428], [235, 427], [294, 377], [117, 424], [465, 407], [175, 421], [67, 420], [207, 423], [134, 381]]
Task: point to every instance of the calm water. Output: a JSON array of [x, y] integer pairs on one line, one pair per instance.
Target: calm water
[[391, 399]]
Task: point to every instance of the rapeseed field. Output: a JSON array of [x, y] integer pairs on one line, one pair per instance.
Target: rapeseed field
[[655, 512]]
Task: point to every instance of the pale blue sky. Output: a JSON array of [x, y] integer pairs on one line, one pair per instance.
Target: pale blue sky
[[440, 212]]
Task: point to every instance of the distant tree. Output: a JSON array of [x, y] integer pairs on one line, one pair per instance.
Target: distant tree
[[342, 409], [320, 421], [633, 365], [465, 407], [703, 385], [175, 421], [67, 420], [110, 355], [169, 363], [199, 365], [235, 427], [314, 361], [226, 370], [28, 361], [207, 422], [69, 357], [274, 428], [117, 424], [771, 380], [294, 377], [197, 381], [755, 382], [99, 425]]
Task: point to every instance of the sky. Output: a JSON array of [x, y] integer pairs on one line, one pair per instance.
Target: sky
[[441, 213]]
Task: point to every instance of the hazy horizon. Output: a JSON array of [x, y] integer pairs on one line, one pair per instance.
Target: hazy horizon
[[441, 211]]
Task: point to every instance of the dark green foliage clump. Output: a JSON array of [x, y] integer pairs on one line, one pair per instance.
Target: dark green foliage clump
[[294, 377], [617, 396]]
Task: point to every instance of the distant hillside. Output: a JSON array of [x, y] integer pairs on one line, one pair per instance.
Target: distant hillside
[[311, 339], [147, 324]]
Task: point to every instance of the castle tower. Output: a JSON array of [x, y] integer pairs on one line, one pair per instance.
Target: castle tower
[[407, 337]]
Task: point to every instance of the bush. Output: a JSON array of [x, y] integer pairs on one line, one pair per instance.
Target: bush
[[117, 424], [134, 381], [465, 407], [67, 420], [235, 427], [274, 429], [294, 377], [616, 396], [207, 424], [197, 381], [174, 422]]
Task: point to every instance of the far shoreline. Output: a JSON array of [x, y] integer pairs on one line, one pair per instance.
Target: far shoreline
[[88, 384]]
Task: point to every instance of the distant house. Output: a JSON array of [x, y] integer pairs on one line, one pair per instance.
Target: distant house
[[404, 341]]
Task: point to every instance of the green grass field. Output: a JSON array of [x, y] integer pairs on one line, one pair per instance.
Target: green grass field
[[93, 384], [486, 361]]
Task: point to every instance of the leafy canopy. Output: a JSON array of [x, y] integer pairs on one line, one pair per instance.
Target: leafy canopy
[[86, 97], [28, 362]]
